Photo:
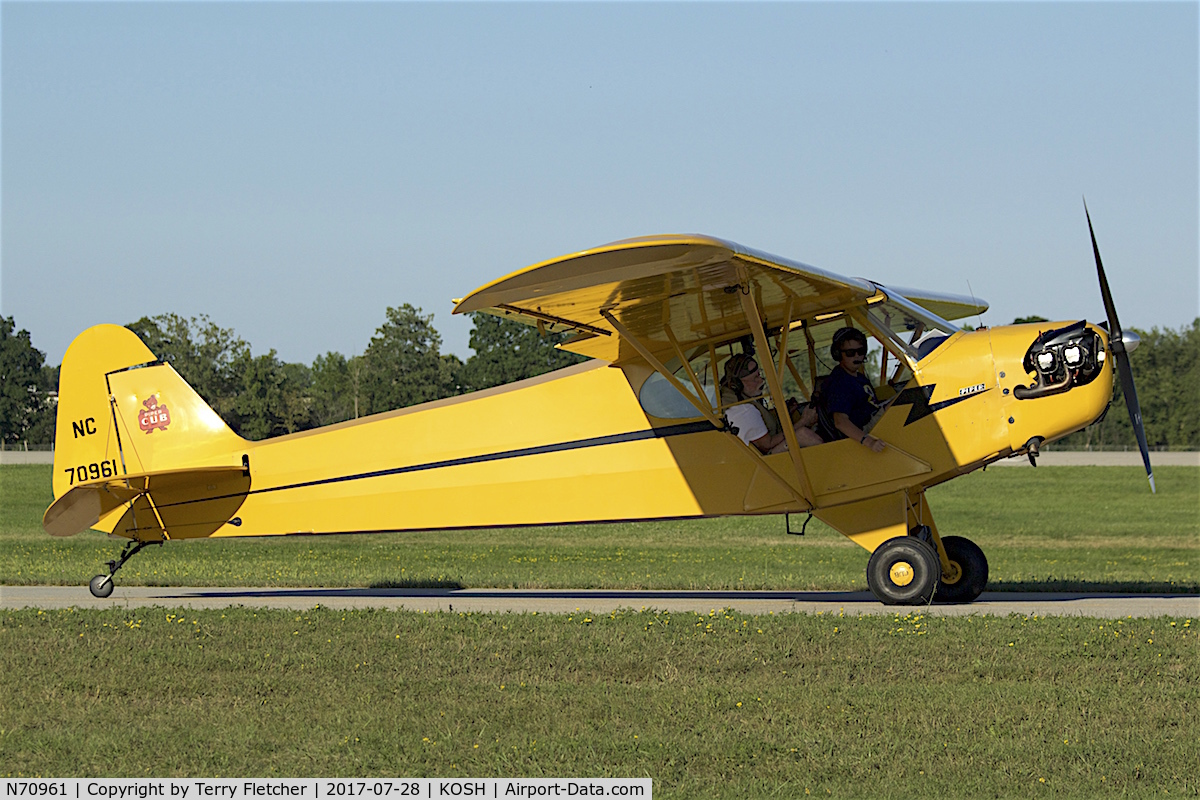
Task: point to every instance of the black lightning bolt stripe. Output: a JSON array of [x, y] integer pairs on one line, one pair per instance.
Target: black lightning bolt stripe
[[917, 397]]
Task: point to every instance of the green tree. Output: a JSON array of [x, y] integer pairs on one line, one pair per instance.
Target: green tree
[[402, 365], [334, 388], [506, 350], [453, 367], [1034, 318], [1183, 386], [41, 432], [272, 397], [27, 406]]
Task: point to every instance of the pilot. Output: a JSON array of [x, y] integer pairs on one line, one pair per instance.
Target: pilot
[[847, 393], [756, 424]]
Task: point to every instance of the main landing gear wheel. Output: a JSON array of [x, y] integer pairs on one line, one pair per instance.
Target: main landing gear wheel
[[904, 571], [968, 571]]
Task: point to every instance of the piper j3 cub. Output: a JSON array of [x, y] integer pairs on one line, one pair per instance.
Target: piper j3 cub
[[642, 430]]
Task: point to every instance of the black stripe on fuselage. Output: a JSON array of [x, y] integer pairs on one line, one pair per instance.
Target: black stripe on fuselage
[[578, 444]]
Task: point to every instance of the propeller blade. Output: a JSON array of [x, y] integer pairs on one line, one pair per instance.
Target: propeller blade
[[1135, 412], [1116, 346], [1110, 310]]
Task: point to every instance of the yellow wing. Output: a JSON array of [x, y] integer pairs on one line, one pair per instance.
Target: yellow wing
[[662, 287]]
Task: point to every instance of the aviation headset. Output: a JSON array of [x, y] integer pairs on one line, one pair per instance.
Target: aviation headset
[[842, 336], [736, 368]]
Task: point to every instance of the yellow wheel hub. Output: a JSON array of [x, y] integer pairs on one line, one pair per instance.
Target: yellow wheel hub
[[901, 573], [953, 575]]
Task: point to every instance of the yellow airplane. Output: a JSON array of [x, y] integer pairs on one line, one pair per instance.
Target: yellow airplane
[[640, 431]]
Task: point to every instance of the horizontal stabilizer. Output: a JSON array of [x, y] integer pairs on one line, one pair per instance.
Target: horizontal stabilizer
[[176, 504]]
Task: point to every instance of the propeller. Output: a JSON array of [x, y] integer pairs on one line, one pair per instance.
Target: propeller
[[1116, 345]]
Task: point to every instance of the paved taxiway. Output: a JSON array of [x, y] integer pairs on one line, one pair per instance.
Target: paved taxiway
[[561, 601]]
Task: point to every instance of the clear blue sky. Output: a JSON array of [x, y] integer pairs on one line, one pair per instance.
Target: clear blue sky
[[293, 169]]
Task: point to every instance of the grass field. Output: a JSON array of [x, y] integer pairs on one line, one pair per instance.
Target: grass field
[[716, 705], [1086, 528]]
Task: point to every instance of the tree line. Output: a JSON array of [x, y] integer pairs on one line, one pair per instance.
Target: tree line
[[262, 396]]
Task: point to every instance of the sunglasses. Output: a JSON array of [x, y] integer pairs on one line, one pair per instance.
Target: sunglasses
[[854, 351]]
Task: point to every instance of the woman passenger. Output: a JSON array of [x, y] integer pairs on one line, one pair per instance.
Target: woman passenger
[[755, 423]]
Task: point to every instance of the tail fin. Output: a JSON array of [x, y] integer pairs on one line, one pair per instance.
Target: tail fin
[[121, 411]]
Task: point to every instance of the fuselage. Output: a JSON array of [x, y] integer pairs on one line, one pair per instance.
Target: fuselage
[[577, 446]]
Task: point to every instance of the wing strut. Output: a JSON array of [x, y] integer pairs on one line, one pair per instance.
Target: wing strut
[[783, 335], [683, 359], [784, 359], [799, 381], [812, 356], [767, 364]]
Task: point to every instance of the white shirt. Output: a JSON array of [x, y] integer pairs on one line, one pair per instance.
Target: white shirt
[[749, 422]]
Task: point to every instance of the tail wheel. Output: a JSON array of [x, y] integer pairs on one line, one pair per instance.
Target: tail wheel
[[904, 571], [968, 573], [101, 585]]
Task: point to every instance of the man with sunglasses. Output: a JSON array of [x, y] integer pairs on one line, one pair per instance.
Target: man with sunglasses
[[849, 397]]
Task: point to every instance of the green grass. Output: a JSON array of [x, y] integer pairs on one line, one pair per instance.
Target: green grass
[[716, 705], [1060, 528]]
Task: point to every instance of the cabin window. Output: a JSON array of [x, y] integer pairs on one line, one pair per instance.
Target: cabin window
[[660, 399], [899, 334], [916, 331]]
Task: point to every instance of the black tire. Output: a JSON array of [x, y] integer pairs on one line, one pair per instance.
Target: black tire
[[969, 570], [904, 572], [101, 585]]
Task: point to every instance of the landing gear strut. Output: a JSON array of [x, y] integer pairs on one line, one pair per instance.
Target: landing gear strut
[[102, 585]]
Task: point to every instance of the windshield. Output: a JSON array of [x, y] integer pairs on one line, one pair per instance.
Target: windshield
[[916, 331]]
